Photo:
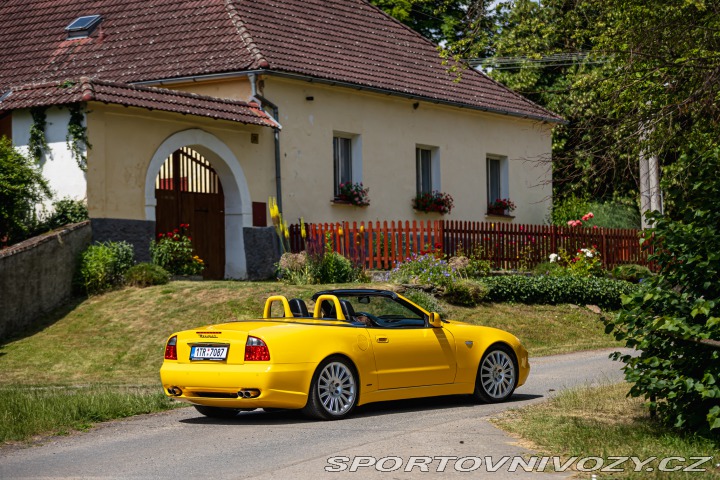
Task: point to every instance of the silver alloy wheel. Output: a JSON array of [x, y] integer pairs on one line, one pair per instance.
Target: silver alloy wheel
[[497, 374], [336, 388]]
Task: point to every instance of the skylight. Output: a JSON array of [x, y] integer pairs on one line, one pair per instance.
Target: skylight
[[83, 26]]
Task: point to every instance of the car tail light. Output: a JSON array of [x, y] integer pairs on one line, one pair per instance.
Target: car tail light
[[171, 348], [256, 350]]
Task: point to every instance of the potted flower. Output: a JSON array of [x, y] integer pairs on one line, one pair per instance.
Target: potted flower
[[501, 206], [352, 194], [438, 202]]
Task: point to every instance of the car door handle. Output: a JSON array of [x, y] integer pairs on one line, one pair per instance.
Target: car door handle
[[382, 339]]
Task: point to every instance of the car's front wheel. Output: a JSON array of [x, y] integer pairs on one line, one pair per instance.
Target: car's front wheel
[[217, 412], [333, 391], [497, 375]]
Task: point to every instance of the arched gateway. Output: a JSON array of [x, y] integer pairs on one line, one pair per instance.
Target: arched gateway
[[195, 178]]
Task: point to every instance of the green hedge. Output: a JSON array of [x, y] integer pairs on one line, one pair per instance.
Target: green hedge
[[603, 292]]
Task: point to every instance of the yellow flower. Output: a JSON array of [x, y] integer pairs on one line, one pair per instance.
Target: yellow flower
[[303, 234], [362, 228], [340, 230]]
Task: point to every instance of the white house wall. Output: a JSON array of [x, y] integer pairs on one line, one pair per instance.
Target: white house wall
[[58, 166]]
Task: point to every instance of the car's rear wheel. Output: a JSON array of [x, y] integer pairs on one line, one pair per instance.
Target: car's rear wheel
[[333, 391], [217, 412], [497, 375]]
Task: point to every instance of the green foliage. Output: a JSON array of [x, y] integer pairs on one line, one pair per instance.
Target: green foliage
[[37, 143], [102, 266], [584, 263], [333, 268], [27, 412], [64, 212], [549, 290], [425, 269], [632, 273], [21, 188], [609, 214], [76, 138], [674, 317], [425, 300], [475, 266], [318, 266], [146, 275], [465, 293], [173, 251]]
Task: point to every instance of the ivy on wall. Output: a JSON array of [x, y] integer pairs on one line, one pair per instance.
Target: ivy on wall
[[76, 137], [37, 145]]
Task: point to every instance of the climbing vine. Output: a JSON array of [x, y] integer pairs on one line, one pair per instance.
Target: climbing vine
[[77, 136], [37, 145]]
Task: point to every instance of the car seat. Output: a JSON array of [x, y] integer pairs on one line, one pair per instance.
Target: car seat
[[298, 308]]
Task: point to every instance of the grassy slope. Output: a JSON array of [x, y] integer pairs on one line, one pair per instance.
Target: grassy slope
[[604, 422], [118, 338]]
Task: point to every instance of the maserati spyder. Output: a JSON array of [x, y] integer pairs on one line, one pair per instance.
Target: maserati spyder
[[353, 347]]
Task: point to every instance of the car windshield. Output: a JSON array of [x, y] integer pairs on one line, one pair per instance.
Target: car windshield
[[385, 311]]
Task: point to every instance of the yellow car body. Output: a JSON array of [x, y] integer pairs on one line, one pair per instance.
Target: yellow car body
[[280, 360]]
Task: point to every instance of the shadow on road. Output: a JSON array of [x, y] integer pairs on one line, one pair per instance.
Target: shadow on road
[[287, 417]]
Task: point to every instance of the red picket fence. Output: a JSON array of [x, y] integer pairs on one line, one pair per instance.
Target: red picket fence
[[380, 245]]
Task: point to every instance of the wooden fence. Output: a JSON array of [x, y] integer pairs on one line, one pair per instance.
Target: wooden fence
[[380, 245]]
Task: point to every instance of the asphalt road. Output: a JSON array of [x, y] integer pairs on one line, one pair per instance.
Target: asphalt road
[[285, 445]]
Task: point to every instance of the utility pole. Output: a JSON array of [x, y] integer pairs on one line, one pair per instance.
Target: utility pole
[[650, 195]]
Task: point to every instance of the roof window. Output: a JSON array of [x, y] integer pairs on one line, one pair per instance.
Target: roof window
[[82, 27]]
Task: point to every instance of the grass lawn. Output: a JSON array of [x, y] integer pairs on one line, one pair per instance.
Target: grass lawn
[[603, 422], [117, 340]]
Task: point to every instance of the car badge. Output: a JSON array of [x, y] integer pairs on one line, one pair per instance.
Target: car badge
[[469, 343]]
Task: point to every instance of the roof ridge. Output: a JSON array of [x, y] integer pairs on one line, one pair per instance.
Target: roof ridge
[[250, 45]]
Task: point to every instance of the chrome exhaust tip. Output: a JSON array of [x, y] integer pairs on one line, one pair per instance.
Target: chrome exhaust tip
[[175, 391], [249, 393]]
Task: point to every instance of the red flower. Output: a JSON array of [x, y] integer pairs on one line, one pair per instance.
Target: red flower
[[161, 235], [189, 239], [176, 231]]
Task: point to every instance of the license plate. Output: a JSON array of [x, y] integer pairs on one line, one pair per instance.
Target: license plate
[[208, 353]]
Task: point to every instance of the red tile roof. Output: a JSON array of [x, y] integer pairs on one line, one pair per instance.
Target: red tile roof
[[86, 90], [344, 41]]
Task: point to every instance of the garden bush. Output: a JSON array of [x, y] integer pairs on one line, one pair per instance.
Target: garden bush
[[173, 251], [465, 293], [603, 292], [631, 273], [64, 212], [423, 269], [145, 275], [319, 265], [102, 266], [673, 319], [425, 300]]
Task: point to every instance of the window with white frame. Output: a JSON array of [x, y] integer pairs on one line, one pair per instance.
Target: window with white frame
[[497, 178], [347, 163], [427, 169]]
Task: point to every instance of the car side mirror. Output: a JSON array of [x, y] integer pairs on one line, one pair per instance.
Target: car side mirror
[[435, 320]]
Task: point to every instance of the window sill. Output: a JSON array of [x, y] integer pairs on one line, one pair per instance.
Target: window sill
[[429, 212], [345, 203], [500, 215]]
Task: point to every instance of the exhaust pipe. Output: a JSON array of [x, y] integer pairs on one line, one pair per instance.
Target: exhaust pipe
[[249, 393], [175, 391]]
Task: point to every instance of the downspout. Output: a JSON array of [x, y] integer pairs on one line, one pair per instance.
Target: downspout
[[276, 115]]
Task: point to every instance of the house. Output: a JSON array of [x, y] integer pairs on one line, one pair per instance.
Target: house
[[168, 111]]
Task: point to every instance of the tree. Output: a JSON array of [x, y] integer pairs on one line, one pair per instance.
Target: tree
[[461, 26], [674, 319], [21, 188]]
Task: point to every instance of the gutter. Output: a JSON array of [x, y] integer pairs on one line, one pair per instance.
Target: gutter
[[276, 115], [353, 86]]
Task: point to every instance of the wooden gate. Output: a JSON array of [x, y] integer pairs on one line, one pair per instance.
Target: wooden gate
[[188, 190]]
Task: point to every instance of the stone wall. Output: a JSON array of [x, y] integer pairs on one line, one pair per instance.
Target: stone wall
[[36, 276], [262, 252]]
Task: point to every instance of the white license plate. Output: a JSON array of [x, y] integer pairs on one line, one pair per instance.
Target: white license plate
[[208, 353]]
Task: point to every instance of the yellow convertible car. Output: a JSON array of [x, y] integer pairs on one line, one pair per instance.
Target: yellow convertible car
[[357, 346]]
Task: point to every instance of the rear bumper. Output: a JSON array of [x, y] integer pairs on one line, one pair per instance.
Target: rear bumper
[[216, 384]]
